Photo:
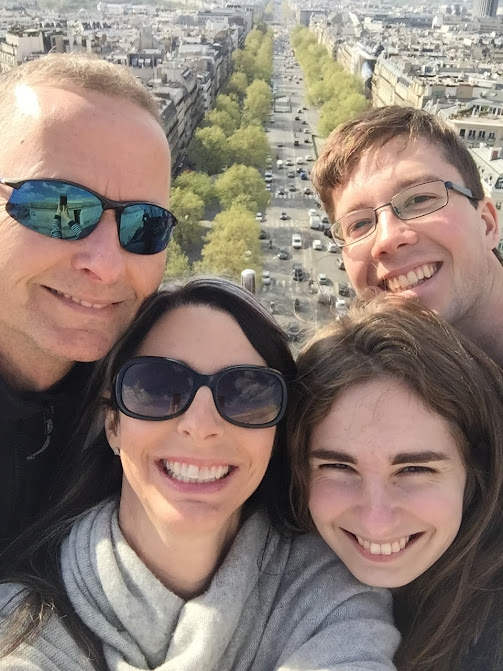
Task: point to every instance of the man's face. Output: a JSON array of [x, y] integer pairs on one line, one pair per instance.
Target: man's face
[[65, 301], [443, 258]]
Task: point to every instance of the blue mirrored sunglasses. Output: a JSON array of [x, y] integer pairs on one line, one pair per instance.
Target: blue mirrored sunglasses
[[69, 211]]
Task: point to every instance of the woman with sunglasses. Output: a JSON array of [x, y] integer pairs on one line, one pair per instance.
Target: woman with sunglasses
[[396, 438], [192, 566]]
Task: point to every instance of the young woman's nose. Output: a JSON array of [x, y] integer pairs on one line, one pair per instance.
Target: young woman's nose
[[378, 510], [202, 420]]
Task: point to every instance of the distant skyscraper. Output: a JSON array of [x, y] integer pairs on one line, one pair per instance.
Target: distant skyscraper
[[485, 8]]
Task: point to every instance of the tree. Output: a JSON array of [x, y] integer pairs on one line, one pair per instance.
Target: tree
[[244, 61], [241, 180], [232, 245], [177, 264], [188, 208], [222, 120], [199, 183], [237, 85], [249, 146], [208, 150], [258, 100], [335, 112]]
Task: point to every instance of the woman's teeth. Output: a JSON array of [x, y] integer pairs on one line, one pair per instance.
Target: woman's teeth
[[413, 277], [193, 473], [383, 548]]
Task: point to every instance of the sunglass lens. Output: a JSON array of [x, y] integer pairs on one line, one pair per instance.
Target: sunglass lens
[[156, 389], [55, 209], [250, 397], [145, 228]]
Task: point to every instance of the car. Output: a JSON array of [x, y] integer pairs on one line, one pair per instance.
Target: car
[[267, 130], [343, 289], [317, 245], [292, 187], [340, 304], [304, 122], [307, 140], [325, 219], [288, 161], [304, 108], [305, 130], [266, 278], [303, 176], [296, 241], [299, 111], [282, 254], [312, 212], [280, 191], [271, 120], [295, 143], [307, 191], [283, 215], [293, 331], [297, 118], [259, 217], [309, 157], [291, 174], [280, 144], [262, 235], [297, 273], [268, 187], [322, 278], [340, 263], [332, 247]]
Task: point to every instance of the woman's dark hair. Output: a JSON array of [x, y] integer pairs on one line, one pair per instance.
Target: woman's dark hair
[[32, 560], [446, 608]]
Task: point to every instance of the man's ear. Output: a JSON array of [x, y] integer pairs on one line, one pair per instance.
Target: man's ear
[[489, 215]]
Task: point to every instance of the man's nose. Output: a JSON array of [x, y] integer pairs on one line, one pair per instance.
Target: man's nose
[[202, 420], [391, 233], [100, 254]]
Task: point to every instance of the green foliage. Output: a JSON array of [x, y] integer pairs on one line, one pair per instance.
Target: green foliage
[[258, 100], [188, 208], [244, 62], [224, 103], [232, 245], [242, 180], [236, 86], [208, 150], [177, 264], [199, 183], [249, 146], [223, 120], [336, 111]]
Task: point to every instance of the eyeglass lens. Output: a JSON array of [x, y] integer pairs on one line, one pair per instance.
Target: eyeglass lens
[[60, 210], [412, 203], [164, 388]]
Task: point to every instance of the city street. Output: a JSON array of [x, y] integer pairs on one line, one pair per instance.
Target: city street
[[283, 130]]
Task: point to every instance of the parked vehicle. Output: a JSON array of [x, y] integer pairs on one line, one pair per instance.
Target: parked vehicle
[[282, 254], [283, 215], [322, 278], [297, 241], [266, 278], [317, 245], [332, 247], [259, 217]]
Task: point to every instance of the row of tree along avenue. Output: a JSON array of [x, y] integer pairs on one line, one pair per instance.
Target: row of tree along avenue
[[337, 93], [227, 153]]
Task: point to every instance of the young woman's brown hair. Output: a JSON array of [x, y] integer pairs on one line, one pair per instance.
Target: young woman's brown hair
[[458, 601]]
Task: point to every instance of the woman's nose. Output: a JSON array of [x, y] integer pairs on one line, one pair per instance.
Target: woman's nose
[[202, 420]]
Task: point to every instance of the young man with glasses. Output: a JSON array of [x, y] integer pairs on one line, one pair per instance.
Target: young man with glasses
[[408, 210], [84, 186]]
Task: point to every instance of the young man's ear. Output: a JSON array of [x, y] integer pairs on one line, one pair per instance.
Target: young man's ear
[[489, 214]]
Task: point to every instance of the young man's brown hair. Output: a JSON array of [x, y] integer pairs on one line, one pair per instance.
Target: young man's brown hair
[[348, 143]]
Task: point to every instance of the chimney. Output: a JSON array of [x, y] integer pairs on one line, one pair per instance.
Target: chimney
[[495, 153]]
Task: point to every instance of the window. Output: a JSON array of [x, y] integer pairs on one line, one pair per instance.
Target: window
[[498, 205], [471, 133], [491, 136], [482, 134], [462, 132]]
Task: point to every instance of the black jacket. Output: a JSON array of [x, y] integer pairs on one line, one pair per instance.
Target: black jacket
[[35, 428]]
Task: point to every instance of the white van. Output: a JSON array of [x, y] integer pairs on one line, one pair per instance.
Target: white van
[[279, 164]]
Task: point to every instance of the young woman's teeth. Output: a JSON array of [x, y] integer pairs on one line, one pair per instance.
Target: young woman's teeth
[[383, 548], [413, 277], [193, 473]]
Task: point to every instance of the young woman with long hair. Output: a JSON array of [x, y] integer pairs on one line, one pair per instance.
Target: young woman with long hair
[[396, 443]]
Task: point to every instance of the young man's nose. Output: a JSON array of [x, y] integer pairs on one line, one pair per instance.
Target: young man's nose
[[391, 233]]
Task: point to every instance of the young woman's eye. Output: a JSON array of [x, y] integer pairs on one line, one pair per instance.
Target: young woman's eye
[[417, 469]]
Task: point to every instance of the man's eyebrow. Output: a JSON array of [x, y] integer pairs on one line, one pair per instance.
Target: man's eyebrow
[[400, 186], [418, 457], [333, 455]]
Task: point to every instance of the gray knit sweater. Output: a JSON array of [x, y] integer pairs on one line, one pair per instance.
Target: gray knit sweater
[[289, 605]]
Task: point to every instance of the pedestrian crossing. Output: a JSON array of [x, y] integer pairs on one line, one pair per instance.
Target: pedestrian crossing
[[292, 195]]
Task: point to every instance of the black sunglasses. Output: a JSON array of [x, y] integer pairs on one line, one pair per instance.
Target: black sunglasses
[[69, 211], [156, 388]]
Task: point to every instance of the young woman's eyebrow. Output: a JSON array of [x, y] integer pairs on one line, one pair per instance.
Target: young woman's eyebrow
[[418, 457], [333, 455]]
